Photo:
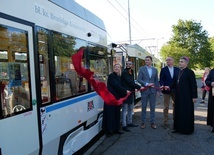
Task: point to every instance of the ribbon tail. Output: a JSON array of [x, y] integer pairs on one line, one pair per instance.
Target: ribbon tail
[[99, 87]]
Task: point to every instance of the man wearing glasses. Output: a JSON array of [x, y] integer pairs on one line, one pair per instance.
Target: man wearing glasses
[[167, 74]]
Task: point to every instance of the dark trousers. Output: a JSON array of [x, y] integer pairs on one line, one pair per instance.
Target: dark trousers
[[204, 94]]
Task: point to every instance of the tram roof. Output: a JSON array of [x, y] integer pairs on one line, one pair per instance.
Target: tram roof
[[75, 8], [135, 51]]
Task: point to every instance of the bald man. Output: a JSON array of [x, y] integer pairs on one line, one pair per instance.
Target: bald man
[[167, 74]]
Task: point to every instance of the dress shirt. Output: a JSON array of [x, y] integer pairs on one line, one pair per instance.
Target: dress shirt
[[171, 71], [149, 69]]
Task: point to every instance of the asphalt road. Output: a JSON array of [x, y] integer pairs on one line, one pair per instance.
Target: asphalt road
[[159, 141]]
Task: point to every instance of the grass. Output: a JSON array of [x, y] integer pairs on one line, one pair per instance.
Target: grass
[[198, 73]]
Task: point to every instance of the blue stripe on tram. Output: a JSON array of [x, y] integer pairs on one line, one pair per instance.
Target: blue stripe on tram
[[69, 102]]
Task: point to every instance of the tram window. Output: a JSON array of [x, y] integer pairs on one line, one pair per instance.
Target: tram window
[[98, 63], [44, 65], [14, 72], [3, 56], [67, 81], [20, 56]]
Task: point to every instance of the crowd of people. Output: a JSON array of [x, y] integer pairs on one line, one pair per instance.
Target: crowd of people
[[177, 84]]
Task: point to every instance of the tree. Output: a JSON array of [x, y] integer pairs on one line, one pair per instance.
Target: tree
[[189, 39], [211, 40], [173, 51]]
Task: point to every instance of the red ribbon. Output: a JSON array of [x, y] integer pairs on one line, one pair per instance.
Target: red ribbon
[[99, 87]]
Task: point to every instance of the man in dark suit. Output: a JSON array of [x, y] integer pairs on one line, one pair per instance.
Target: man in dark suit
[[167, 75], [127, 80], [148, 77]]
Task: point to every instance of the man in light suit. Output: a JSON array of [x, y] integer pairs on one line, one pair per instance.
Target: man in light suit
[[167, 76], [148, 77]]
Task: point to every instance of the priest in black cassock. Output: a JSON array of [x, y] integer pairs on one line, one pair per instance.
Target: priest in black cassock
[[210, 110], [111, 113], [185, 97]]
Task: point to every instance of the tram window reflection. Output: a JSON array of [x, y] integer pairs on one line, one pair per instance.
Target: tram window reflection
[[67, 82], [98, 62], [14, 71], [44, 57]]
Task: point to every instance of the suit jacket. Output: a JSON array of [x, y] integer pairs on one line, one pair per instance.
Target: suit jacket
[[143, 78], [210, 110], [166, 79], [128, 83]]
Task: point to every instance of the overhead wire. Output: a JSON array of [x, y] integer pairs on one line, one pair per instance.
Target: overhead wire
[[132, 19], [131, 22]]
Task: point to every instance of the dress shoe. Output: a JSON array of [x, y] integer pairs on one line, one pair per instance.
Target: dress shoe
[[153, 126], [126, 129], [174, 131], [143, 125], [202, 101], [118, 132], [132, 125]]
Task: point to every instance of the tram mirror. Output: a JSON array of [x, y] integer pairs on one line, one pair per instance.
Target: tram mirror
[[113, 45]]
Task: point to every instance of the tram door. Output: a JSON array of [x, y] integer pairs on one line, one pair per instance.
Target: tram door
[[18, 112]]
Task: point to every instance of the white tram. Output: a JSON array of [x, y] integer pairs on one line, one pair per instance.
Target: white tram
[[45, 107]]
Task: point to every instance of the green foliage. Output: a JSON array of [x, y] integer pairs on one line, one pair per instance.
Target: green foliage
[[211, 40], [63, 45], [189, 39]]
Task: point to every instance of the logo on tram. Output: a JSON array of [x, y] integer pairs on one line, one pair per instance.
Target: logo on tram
[[90, 105]]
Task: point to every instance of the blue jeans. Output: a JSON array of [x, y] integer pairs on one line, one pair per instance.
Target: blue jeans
[[127, 109]]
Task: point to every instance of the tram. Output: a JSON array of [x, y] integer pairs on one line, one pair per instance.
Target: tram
[[46, 107]]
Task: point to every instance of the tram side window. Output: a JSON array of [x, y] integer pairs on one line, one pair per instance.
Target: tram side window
[[14, 71], [44, 65], [68, 82], [98, 62]]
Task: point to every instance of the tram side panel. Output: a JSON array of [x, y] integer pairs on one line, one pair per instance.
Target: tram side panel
[[78, 117]]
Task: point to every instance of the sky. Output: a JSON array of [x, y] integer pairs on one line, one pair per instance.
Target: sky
[[150, 20]]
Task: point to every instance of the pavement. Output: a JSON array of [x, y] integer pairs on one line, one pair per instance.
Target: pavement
[[159, 141]]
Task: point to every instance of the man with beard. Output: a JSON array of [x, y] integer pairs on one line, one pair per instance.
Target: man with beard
[[185, 97], [127, 79]]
